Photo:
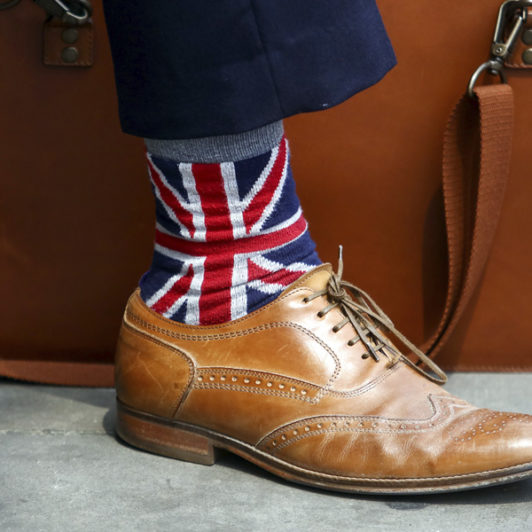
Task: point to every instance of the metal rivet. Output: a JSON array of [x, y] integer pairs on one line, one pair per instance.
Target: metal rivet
[[527, 56], [527, 36], [70, 54], [70, 35]]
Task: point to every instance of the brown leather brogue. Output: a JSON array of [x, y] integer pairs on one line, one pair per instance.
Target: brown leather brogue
[[310, 388]]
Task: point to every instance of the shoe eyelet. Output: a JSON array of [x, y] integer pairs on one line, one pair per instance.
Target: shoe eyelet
[[305, 300], [350, 343], [320, 314], [335, 329], [364, 356]]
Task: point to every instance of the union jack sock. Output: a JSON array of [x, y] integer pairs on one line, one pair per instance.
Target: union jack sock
[[230, 236]]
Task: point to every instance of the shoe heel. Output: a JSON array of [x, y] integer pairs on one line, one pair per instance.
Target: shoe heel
[[162, 438]]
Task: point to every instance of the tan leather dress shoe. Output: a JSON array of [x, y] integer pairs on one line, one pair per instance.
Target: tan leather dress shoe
[[310, 388]]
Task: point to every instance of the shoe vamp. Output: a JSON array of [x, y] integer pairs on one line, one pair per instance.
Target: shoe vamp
[[475, 442], [249, 410]]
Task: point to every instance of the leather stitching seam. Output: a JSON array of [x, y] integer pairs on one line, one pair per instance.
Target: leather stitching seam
[[246, 332], [436, 406], [182, 355]]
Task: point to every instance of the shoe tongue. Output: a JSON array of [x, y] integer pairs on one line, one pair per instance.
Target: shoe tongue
[[315, 279]]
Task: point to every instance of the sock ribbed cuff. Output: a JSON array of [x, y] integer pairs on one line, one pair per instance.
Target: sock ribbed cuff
[[220, 148]]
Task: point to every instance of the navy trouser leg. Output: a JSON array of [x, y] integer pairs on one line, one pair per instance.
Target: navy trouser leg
[[194, 68]]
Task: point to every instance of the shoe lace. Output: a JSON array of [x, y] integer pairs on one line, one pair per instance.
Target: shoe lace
[[370, 322]]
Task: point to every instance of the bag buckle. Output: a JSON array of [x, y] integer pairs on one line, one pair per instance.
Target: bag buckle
[[513, 14]]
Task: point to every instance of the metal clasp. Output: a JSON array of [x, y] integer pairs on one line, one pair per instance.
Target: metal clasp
[[69, 11], [512, 14]]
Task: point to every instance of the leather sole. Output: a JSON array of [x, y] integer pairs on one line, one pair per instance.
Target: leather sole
[[195, 444]]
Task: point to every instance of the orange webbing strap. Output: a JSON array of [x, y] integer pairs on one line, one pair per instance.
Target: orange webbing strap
[[476, 162]]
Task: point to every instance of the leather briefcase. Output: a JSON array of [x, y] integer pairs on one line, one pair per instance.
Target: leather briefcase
[[75, 204], [76, 209], [370, 176]]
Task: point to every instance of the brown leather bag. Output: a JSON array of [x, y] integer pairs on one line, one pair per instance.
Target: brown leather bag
[[75, 204], [380, 155], [76, 210]]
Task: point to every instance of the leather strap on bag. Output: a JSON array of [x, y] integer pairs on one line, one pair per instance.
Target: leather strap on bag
[[476, 161]]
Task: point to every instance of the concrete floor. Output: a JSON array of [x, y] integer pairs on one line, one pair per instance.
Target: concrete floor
[[61, 469]]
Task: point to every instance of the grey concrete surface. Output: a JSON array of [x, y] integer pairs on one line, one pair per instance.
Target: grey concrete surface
[[62, 469]]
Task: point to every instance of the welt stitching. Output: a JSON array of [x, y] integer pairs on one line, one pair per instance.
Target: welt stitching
[[400, 480]]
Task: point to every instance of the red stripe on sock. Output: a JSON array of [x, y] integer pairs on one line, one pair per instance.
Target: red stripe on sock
[[284, 277], [211, 190], [179, 289], [215, 301], [168, 197], [242, 245]]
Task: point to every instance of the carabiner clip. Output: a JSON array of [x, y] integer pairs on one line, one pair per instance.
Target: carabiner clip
[[75, 12], [511, 11]]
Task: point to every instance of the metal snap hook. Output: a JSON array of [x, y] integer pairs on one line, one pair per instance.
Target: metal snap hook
[[74, 12], [510, 20], [493, 67]]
